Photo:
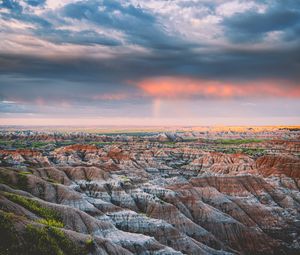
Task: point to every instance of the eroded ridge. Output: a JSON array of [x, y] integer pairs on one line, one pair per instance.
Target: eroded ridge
[[165, 193]]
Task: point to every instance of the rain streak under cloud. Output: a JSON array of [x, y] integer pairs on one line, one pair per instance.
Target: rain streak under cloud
[[150, 62]]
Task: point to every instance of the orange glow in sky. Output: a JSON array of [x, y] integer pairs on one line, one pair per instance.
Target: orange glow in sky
[[169, 87]]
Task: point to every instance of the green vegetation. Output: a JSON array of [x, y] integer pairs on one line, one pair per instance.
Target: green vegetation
[[22, 144], [51, 180], [5, 142], [64, 143], [89, 244], [100, 144], [36, 240], [24, 173], [20, 183], [125, 178], [248, 151], [237, 141], [253, 152], [51, 223], [38, 144], [12, 143], [4, 178], [168, 142], [49, 241], [9, 240], [45, 240], [191, 139], [35, 207], [142, 133]]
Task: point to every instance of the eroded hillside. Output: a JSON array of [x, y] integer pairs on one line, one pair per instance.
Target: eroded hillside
[[164, 193]]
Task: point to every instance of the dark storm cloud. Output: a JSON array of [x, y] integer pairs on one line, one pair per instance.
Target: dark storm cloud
[[77, 78], [47, 30], [139, 26], [229, 64], [84, 37], [170, 55], [252, 26], [12, 5], [79, 81]]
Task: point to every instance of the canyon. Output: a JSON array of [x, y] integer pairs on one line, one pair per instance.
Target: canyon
[[183, 192]]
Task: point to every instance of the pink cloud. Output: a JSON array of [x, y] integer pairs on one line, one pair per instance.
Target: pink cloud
[[171, 87]]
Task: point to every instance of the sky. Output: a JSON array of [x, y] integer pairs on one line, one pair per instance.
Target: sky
[[151, 62]]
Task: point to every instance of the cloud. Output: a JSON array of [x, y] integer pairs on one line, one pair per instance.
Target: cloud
[[230, 8], [103, 20], [12, 107], [114, 41], [111, 96], [11, 5], [109, 57], [176, 88], [36, 2], [253, 25], [139, 26]]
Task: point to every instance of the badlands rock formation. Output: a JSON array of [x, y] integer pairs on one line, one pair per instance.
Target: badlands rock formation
[[148, 196]]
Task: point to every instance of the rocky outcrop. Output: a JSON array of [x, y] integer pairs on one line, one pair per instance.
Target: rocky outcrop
[[285, 165]]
